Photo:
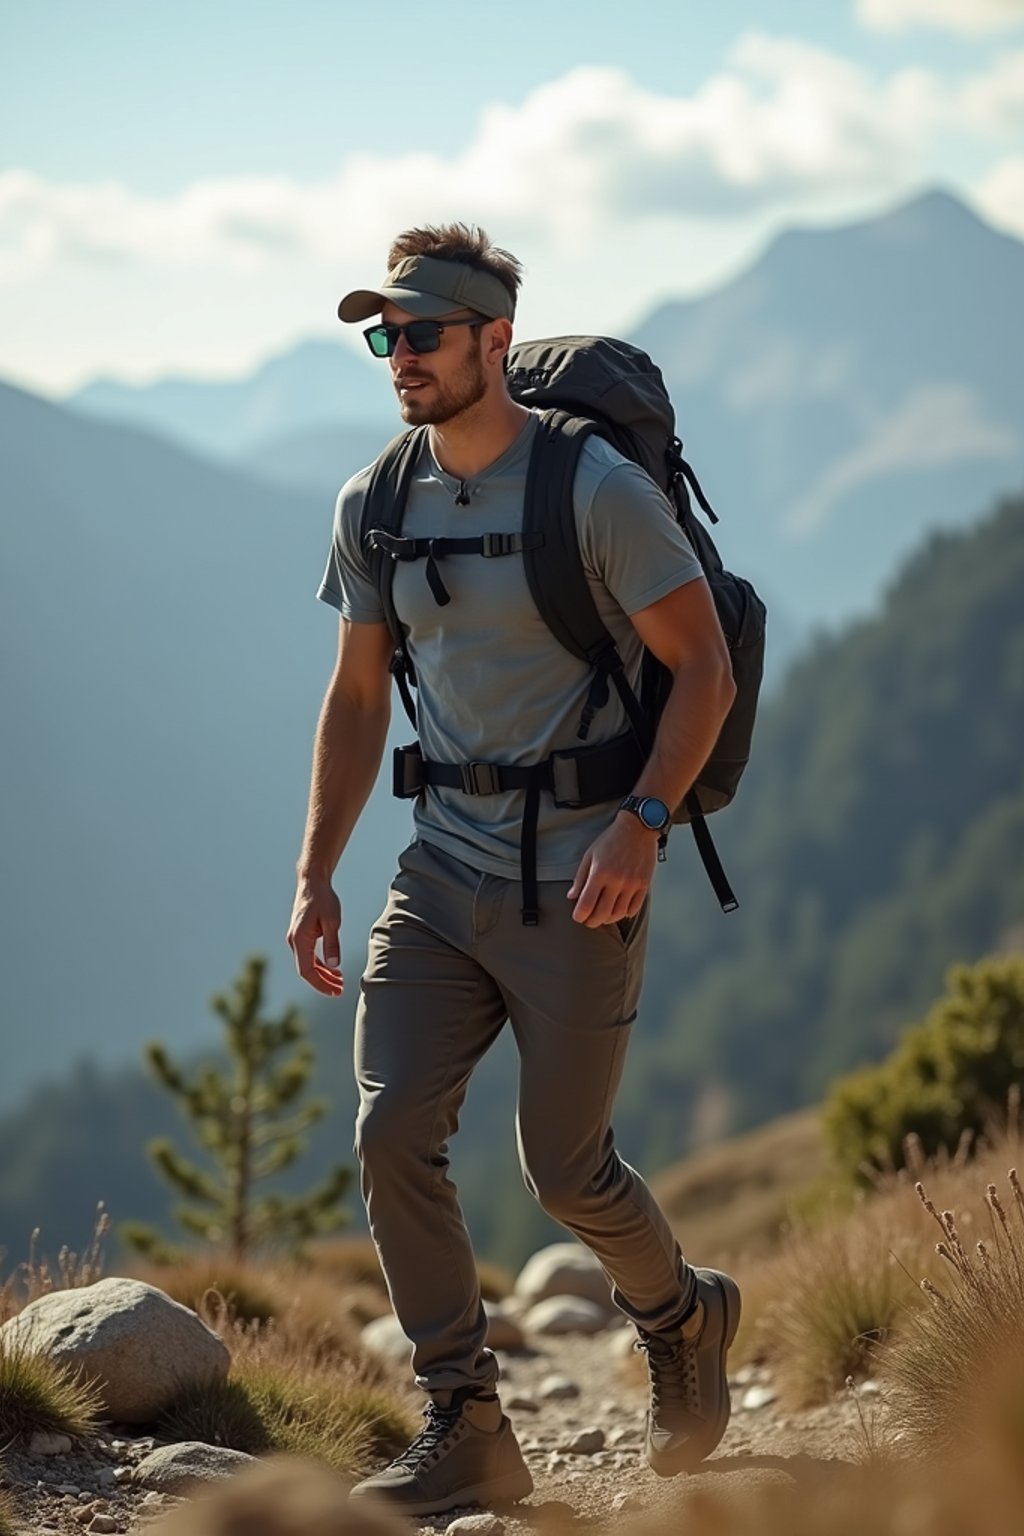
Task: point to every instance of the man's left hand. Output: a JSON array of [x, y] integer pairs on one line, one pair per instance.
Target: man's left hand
[[614, 874]]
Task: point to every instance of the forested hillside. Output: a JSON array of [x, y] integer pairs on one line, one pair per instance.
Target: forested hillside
[[878, 836]]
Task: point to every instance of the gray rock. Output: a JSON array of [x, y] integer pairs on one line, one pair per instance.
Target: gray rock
[[626, 1503], [102, 1525], [43, 1443], [522, 1404], [173, 1468], [558, 1389], [564, 1269], [383, 1336], [138, 1345], [584, 1443], [484, 1524], [565, 1314], [503, 1330], [758, 1397]]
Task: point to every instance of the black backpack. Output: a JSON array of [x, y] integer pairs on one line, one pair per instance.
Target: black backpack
[[581, 385]]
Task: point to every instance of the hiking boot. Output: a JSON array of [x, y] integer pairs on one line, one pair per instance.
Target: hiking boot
[[466, 1453], [689, 1392]]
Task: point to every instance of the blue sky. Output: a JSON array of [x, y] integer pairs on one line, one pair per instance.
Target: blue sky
[[188, 187]]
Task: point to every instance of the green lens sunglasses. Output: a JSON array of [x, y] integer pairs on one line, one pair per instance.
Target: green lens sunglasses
[[422, 335]]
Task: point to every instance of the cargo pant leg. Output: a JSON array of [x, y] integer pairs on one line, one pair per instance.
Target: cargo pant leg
[[572, 995], [427, 1013]]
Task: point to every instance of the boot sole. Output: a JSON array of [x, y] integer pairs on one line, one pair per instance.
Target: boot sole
[[497, 1490], [697, 1449]]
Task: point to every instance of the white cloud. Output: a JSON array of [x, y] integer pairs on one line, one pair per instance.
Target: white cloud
[[994, 102], [1000, 196], [783, 124], [965, 16], [936, 425]]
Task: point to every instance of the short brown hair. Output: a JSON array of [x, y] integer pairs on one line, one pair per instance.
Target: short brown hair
[[467, 243]]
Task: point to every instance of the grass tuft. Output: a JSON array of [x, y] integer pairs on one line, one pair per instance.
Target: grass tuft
[[7, 1527], [958, 1369], [346, 1414], [37, 1394], [38, 1275]]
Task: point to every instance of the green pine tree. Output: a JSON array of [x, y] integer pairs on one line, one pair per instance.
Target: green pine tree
[[249, 1121]]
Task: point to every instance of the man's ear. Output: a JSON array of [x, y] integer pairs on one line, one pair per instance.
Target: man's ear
[[499, 341]]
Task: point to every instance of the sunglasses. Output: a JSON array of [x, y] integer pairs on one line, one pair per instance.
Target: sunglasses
[[421, 335]]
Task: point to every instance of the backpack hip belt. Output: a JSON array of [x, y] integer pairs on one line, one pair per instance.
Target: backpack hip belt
[[575, 778]]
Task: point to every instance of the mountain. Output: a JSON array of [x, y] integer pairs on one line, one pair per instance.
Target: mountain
[[165, 663], [317, 383], [878, 836], [856, 388]]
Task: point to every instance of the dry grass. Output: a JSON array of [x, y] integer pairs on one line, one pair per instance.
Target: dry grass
[[36, 1394], [38, 1275], [958, 1371], [345, 1413], [7, 1526]]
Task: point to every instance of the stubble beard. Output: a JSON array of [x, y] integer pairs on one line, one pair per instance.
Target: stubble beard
[[465, 390]]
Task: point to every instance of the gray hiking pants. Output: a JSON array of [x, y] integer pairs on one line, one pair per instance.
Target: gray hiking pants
[[450, 961]]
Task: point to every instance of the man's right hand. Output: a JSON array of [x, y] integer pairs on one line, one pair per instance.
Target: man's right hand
[[316, 915]]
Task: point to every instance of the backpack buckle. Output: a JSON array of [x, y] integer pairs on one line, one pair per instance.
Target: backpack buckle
[[492, 544], [480, 778]]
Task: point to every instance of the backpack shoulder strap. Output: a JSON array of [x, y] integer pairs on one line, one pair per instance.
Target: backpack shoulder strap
[[554, 571], [384, 508]]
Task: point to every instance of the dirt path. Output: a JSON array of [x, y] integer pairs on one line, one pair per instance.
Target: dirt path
[[603, 1410]]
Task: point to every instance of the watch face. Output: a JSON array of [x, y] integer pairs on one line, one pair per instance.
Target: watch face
[[654, 814]]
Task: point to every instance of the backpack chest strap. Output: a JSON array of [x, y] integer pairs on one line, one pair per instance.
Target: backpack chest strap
[[488, 545]]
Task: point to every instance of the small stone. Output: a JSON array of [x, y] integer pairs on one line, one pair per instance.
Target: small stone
[[744, 1376], [153, 1498], [758, 1397], [558, 1389], [106, 1477], [123, 1474], [485, 1524], [48, 1523], [69, 1490], [522, 1404], [625, 1435], [557, 1462], [869, 1389], [585, 1443], [565, 1314], [626, 1503], [44, 1443], [102, 1525]]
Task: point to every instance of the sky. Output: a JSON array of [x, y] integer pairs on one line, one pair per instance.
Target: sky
[[188, 186]]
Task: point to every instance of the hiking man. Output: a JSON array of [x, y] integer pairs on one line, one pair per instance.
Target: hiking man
[[491, 919]]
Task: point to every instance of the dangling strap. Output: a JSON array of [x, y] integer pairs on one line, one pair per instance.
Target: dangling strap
[[709, 854]]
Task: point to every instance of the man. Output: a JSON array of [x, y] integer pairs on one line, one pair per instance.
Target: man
[[451, 959]]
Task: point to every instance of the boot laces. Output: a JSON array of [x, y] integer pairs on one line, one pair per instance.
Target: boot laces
[[673, 1368], [438, 1425]]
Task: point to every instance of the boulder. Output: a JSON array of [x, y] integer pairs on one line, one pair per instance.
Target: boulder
[[384, 1336], [565, 1314], [564, 1269], [176, 1468], [503, 1331], [140, 1347]]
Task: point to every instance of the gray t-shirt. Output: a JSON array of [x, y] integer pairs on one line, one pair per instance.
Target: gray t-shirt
[[494, 684]]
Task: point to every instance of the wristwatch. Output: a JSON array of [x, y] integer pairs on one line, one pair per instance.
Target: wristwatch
[[651, 813]]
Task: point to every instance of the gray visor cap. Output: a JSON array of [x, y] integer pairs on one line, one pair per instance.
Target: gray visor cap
[[429, 287]]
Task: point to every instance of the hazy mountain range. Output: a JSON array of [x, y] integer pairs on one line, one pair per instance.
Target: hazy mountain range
[[854, 388]]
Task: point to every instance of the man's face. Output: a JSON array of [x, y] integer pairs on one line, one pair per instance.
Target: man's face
[[434, 387]]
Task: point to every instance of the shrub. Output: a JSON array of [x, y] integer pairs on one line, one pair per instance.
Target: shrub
[[36, 1394], [949, 1077]]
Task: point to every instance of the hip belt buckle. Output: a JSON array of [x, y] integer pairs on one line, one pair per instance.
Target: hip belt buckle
[[481, 778]]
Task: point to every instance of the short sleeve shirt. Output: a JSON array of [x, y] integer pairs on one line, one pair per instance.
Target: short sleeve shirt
[[493, 683]]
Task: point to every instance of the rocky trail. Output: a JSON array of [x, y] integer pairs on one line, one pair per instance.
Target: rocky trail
[[577, 1404]]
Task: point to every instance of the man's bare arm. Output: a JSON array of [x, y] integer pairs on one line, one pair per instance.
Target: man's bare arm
[[347, 750], [683, 631]]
